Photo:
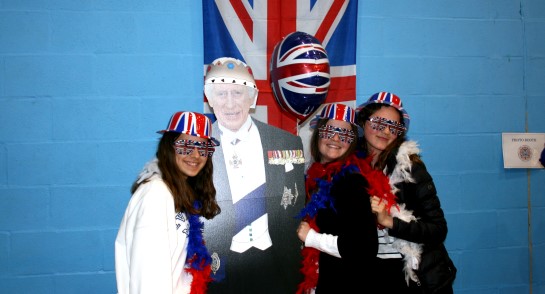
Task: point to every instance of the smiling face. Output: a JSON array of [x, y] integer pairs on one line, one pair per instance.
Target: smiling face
[[190, 164], [378, 140], [332, 145], [231, 104]]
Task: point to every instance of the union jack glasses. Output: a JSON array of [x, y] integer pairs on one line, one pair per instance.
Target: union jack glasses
[[328, 132], [380, 123], [186, 147]]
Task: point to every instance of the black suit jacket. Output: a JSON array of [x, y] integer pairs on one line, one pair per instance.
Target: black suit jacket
[[276, 269]]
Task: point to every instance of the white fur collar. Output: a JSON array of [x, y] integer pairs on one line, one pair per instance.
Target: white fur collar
[[150, 168]]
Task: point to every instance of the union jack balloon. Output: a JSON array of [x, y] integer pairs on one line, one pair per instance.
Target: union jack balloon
[[299, 74]]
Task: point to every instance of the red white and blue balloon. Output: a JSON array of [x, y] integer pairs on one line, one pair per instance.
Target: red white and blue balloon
[[300, 74]]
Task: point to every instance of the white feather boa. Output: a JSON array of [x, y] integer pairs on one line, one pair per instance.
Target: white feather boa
[[402, 173]]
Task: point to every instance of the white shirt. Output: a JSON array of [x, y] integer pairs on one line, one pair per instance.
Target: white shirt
[[151, 245], [244, 178]]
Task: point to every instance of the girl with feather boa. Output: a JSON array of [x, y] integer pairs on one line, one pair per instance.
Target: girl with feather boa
[[411, 257], [159, 247], [338, 230]]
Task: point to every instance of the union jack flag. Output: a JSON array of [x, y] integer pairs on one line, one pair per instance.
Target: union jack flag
[[249, 30]]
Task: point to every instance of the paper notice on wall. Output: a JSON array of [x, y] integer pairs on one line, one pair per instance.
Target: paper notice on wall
[[523, 150]]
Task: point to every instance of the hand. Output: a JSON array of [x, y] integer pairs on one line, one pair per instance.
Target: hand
[[302, 231], [378, 206]]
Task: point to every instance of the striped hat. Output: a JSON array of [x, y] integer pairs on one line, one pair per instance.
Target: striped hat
[[389, 99], [336, 111], [191, 123]]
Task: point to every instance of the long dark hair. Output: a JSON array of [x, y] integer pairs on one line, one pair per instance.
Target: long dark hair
[[185, 192], [390, 150], [315, 151]]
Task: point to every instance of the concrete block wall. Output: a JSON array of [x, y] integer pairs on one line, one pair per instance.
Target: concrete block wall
[[84, 85]]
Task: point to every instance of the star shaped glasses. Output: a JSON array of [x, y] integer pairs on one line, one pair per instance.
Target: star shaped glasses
[[185, 147], [328, 132], [380, 123]]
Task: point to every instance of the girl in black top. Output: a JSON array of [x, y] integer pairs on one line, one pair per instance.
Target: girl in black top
[[411, 256], [339, 228]]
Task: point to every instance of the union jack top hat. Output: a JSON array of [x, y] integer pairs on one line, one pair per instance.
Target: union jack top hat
[[340, 112], [336, 111], [388, 99], [191, 123]]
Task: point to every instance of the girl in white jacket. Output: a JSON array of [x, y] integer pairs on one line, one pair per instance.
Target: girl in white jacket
[[159, 247]]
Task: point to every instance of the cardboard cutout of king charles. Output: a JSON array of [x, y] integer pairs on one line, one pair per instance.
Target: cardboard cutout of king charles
[[259, 180]]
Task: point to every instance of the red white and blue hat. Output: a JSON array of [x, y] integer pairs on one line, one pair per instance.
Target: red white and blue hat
[[191, 123], [336, 111], [340, 112], [389, 99]]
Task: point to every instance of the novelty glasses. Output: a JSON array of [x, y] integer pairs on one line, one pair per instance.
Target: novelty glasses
[[328, 132], [380, 123], [185, 147]]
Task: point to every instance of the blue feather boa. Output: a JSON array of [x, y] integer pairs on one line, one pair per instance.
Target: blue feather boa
[[321, 198], [196, 246]]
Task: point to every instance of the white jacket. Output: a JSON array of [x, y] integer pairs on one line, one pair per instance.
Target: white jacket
[[151, 245]]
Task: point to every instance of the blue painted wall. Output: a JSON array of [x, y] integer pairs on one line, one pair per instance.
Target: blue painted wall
[[84, 85]]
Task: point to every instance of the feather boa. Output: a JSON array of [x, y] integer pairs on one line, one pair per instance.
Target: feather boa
[[198, 259], [319, 180], [402, 173]]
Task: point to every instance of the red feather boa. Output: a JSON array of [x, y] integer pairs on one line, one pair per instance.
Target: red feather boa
[[379, 185], [201, 278]]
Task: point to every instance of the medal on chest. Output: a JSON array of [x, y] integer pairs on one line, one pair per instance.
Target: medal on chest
[[235, 161]]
